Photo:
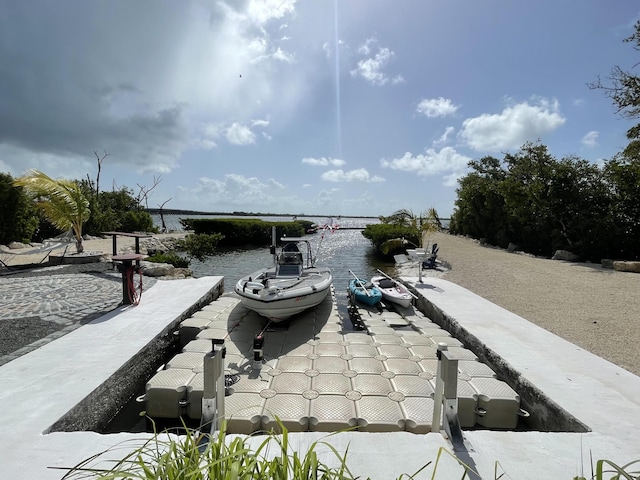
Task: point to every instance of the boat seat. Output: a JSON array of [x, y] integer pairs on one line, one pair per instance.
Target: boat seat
[[290, 258], [291, 270], [386, 283]]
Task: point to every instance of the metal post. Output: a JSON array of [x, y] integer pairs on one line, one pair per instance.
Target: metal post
[[439, 390], [214, 389], [450, 392], [258, 352]]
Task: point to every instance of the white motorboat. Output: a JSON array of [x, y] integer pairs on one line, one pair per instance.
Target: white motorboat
[[393, 291], [288, 287]]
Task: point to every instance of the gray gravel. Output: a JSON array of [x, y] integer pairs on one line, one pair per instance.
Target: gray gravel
[[38, 305]]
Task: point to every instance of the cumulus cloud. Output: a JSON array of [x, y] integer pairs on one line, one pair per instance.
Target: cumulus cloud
[[436, 107], [358, 175], [262, 11], [238, 134], [511, 128], [372, 68], [591, 139], [444, 138], [432, 162], [234, 133], [323, 162], [234, 189]]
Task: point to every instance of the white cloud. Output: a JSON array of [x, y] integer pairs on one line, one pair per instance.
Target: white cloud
[[365, 48], [234, 189], [444, 138], [513, 127], [372, 69], [260, 123], [327, 49], [323, 162], [432, 162], [283, 56], [436, 107], [591, 139], [358, 175], [238, 134], [263, 11]]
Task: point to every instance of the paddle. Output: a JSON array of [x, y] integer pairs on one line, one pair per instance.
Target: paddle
[[397, 283], [360, 283]]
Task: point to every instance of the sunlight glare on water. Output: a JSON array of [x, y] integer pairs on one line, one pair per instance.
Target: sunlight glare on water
[[341, 250]]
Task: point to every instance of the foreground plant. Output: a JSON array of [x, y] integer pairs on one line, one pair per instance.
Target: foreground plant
[[197, 456], [607, 467]]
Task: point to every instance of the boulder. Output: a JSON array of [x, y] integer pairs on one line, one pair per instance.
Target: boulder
[[607, 263], [17, 245], [565, 255], [152, 269], [512, 247], [626, 266], [181, 273]]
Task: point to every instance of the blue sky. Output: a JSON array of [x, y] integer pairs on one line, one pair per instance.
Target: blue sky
[[324, 107]]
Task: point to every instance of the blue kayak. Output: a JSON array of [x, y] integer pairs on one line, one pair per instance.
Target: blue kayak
[[364, 291]]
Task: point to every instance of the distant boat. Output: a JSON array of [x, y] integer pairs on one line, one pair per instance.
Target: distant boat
[[287, 288], [364, 291], [330, 224]]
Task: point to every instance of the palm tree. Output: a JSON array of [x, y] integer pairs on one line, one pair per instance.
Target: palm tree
[[60, 201], [426, 223]]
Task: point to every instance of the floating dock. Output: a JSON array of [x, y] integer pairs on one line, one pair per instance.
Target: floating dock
[[318, 374]]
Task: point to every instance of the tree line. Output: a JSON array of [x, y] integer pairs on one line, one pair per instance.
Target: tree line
[[542, 204], [37, 207]]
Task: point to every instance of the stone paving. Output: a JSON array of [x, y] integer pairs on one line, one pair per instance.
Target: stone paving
[[42, 304]]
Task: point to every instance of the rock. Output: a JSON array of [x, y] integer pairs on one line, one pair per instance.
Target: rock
[[512, 247], [565, 255], [151, 269], [626, 266], [17, 245], [181, 273], [607, 263]]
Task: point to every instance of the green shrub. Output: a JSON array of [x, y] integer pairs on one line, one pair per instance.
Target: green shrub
[[239, 232], [199, 456], [380, 233], [200, 246], [171, 258], [18, 216], [136, 221]]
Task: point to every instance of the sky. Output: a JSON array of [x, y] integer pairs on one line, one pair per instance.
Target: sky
[[307, 107]]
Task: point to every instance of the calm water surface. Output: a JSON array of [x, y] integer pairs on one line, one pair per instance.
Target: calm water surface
[[341, 250]]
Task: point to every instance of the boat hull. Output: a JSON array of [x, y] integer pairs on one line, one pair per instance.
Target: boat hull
[[371, 297], [393, 292], [281, 299]]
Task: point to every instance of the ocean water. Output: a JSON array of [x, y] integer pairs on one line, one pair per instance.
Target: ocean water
[[342, 249]]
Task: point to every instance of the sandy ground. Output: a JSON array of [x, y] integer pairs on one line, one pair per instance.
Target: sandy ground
[[104, 245], [595, 308]]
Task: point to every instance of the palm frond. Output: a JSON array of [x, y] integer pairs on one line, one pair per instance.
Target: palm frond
[[61, 201]]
